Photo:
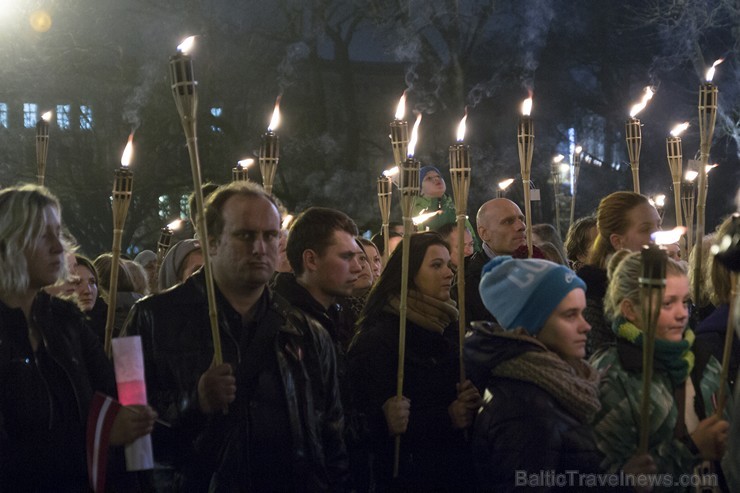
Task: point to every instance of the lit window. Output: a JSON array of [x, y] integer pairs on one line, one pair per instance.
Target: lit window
[[165, 206], [216, 111], [4, 115], [30, 114], [63, 111], [184, 206], [86, 117]]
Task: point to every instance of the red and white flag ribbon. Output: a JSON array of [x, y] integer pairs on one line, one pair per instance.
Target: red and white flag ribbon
[[103, 412]]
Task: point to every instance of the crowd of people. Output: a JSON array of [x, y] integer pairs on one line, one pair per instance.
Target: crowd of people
[[545, 392]]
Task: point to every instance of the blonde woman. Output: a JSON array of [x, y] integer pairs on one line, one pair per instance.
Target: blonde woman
[[683, 429]]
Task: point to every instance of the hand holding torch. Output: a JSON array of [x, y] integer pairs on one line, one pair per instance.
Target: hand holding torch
[[409, 187]]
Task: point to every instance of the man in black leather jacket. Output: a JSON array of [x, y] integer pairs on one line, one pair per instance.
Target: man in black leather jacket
[[269, 417]]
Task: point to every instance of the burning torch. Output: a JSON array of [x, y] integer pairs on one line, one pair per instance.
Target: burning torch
[[460, 175], [122, 189], [270, 150], [184, 89], [240, 171], [708, 97], [42, 146], [525, 141], [633, 134], [409, 186], [385, 194]]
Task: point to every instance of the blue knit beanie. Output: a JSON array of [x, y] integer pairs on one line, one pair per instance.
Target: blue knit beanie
[[524, 292], [426, 169]]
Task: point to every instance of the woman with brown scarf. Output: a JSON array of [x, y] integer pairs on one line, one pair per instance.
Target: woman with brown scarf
[[434, 411], [540, 395]]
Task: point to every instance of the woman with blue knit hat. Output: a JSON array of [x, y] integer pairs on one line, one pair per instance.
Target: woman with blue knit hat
[[540, 395]]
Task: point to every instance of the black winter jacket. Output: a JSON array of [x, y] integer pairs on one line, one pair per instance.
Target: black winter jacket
[[434, 456], [521, 426], [178, 348], [45, 396]]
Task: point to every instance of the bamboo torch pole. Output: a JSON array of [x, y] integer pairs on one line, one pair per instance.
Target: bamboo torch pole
[[727, 351], [42, 146], [688, 203], [633, 135], [460, 175], [652, 285], [576, 169], [409, 186], [122, 190], [728, 253], [399, 143], [525, 141], [674, 152], [184, 89], [385, 194], [708, 96], [555, 172]]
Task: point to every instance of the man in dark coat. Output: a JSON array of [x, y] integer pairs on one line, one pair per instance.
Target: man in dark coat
[[502, 227], [269, 417]]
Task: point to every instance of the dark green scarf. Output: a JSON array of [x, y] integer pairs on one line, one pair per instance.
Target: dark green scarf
[[675, 357]]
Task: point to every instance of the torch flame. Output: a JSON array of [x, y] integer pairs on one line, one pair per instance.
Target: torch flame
[[128, 151], [659, 200], [186, 45], [710, 167], [578, 150], [175, 224], [503, 185], [391, 172], [423, 217], [668, 237], [527, 106], [641, 105], [710, 71], [245, 163], [286, 221], [275, 121], [46, 116], [414, 136], [401, 108], [558, 159], [564, 167], [461, 128], [691, 175], [679, 129]]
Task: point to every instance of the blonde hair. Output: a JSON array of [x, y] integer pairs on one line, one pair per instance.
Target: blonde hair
[[705, 283], [612, 217], [720, 289], [21, 224], [138, 276], [625, 269]]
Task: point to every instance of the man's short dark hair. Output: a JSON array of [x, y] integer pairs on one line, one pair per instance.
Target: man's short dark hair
[[207, 189], [216, 200], [313, 230]]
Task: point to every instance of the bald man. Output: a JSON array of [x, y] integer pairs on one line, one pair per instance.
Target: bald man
[[502, 228]]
